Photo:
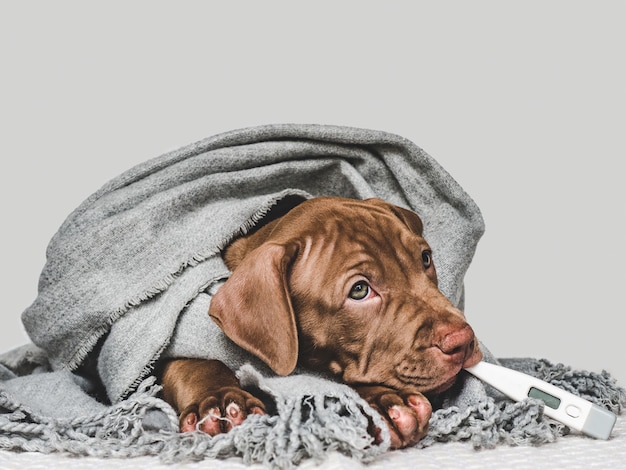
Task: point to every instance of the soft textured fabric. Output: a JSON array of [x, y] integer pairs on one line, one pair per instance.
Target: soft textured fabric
[[130, 275]]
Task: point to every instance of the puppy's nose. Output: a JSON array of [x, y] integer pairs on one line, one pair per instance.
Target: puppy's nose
[[456, 342]]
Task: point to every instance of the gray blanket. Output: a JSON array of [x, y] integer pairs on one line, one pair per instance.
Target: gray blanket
[[131, 272]]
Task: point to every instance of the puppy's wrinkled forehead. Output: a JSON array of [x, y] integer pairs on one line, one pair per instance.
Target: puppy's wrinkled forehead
[[350, 229]]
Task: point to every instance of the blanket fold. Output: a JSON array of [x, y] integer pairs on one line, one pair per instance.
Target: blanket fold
[[130, 274]]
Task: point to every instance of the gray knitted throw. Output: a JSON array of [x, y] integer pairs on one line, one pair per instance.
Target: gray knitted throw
[[131, 272]]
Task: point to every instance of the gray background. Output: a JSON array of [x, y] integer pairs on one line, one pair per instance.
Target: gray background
[[524, 103]]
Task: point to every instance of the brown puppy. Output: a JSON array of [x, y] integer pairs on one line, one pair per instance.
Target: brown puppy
[[337, 285]]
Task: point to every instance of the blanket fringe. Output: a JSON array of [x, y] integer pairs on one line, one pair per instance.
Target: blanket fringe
[[118, 431], [314, 426], [488, 424]]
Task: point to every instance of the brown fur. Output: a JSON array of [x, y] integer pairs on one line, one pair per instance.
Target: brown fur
[[288, 302]]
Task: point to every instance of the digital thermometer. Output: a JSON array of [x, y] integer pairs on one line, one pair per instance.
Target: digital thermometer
[[563, 406]]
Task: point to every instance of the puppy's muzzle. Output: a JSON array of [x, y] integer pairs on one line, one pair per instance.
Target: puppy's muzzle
[[457, 343]]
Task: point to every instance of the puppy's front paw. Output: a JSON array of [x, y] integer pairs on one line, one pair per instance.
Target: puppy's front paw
[[220, 410], [406, 412]]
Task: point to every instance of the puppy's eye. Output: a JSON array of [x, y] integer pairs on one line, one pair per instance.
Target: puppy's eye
[[427, 258], [359, 291]]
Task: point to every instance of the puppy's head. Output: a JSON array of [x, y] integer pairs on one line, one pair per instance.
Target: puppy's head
[[349, 287]]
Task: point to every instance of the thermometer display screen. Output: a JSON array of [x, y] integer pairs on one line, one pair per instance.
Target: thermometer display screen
[[549, 400]]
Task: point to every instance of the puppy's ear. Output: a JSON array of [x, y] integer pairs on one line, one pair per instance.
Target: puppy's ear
[[410, 218], [254, 309]]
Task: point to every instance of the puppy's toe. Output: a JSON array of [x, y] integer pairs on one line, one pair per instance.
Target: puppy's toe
[[422, 408], [220, 411], [188, 421], [406, 412], [211, 422], [413, 422]]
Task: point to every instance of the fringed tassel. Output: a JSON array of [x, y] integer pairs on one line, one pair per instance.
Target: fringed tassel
[[119, 431]]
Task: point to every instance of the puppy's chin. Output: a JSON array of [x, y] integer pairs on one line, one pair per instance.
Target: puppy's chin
[[472, 360], [475, 358]]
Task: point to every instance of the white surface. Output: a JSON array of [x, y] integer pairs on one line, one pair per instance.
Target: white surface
[[522, 102], [571, 452]]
